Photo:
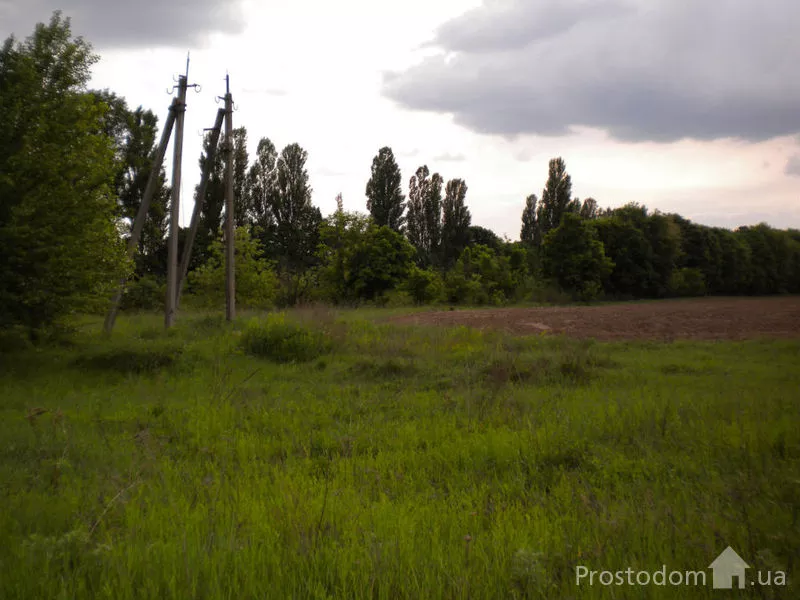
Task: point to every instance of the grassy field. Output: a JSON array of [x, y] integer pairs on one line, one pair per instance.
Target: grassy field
[[390, 462]]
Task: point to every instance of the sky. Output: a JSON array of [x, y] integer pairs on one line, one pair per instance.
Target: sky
[[683, 106]]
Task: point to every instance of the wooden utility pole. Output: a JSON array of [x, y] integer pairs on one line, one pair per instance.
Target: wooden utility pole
[[198, 204], [175, 203], [230, 272], [141, 215]]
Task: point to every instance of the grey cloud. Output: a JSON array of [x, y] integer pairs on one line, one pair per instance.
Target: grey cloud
[[265, 91], [518, 23], [327, 172], [124, 24], [447, 157], [793, 166], [658, 70]]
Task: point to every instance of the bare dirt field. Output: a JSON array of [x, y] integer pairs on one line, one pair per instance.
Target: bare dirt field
[[695, 318]]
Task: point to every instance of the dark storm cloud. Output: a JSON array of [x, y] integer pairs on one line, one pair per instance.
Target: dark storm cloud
[[658, 70], [125, 24]]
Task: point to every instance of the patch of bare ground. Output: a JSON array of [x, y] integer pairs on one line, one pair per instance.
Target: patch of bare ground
[[694, 318]]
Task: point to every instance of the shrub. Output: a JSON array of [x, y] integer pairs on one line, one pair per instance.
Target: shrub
[[423, 286], [256, 282], [281, 340], [687, 282], [146, 356], [574, 257], [144, 293]]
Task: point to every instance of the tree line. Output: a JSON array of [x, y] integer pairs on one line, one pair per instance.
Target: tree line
[[74, 163]]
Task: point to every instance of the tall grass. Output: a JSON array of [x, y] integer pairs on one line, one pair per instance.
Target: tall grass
[[388, 462]]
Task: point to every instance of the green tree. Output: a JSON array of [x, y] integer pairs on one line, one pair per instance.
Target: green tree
[[530, 233], [480, 276], [417, 192], [378, 262], [484, 236], [574, 257], [256, 282], [425, 286], [296, 219], [664, 236], [136, 136], [433, 218], [261, 187], [58, 237], [385, 200], [456, 221], [589, 209], [338, 234], [361, 260], [556, 196], [214, 202], [425, 214], [628, 247], [736, 263], [244, 212], [773, 259]]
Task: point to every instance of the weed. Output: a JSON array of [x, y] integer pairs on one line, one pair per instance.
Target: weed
[[498, 465], [139, 357], [281, 340]]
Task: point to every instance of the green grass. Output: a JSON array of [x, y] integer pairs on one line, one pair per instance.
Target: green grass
[[389, 462]]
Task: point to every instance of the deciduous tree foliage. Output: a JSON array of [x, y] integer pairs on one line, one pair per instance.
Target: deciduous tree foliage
[[385, 199], [417, 193], [59, 243], [244, 211], [456, 221], [529, 234], [360, 260], [256, 282], [136, 136], [574, 257], [556, 197], [293, 234], [214, 202], [484, 236], [589, 209], [261, 183], [425, 214]]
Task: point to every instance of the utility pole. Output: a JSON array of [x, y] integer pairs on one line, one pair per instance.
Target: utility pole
[[198, 204], [141, 215], [174, 213], [230, 272]]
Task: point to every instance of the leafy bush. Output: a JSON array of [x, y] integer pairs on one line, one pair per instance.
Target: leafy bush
[[463, 289], [423, 286], [256, 282], [144, 293], [138, 357], [395, 299], [687, 282], [283, 341], [574, 257], [481, 276], [361, 261]]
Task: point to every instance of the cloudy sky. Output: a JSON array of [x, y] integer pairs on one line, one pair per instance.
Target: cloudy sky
[[685, 106]]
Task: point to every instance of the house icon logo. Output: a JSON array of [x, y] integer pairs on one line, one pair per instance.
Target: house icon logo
[[727, 566]]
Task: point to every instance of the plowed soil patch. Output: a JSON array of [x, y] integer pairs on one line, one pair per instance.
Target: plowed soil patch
[[696, 318]]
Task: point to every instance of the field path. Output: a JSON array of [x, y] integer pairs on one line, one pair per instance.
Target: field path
[[695, 318]]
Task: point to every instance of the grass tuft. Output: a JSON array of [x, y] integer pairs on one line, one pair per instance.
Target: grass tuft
[[281, 340], [138, 357]]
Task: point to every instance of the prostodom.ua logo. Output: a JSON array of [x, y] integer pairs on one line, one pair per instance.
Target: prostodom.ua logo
[[728, 571]]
